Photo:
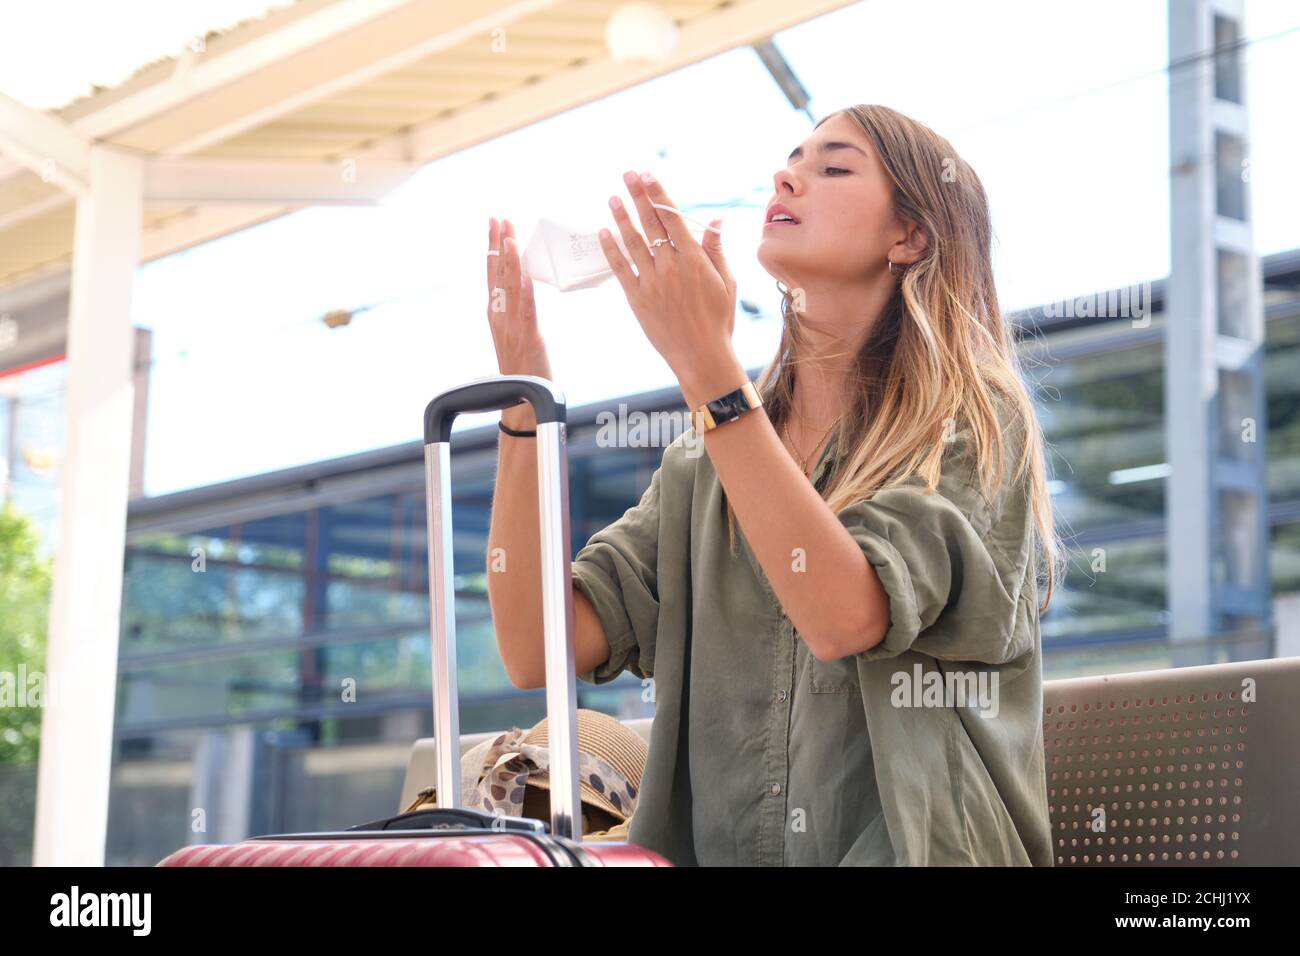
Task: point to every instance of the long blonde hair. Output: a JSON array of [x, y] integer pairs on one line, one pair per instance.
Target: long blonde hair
[[941, 355]]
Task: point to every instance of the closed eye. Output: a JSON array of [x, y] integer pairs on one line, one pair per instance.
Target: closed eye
[[835, 169]]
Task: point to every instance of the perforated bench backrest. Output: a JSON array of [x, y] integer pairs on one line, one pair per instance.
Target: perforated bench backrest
[[1190, 766]]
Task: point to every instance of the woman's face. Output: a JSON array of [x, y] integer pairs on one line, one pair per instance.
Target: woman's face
[[836, 186]]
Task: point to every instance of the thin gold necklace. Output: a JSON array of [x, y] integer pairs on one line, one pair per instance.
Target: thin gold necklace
[[803, 462], [803, 424]]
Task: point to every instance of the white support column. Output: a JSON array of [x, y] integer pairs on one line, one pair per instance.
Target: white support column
[[85, 610]]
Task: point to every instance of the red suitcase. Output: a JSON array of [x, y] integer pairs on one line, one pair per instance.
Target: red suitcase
[[451, 835]]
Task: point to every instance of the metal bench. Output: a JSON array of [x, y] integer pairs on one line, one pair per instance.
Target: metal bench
[[1192, 766]]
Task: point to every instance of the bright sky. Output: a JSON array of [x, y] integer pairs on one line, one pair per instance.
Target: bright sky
[[1061, 109]]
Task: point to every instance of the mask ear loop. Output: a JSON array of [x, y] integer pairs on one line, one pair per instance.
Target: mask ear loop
[[659, 205], [785, 293]]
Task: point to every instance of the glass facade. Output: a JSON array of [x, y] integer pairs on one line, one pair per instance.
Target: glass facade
[[1102, 413], [275, 658]]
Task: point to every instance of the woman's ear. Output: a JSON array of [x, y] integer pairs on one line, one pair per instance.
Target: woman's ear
[[911, 247]]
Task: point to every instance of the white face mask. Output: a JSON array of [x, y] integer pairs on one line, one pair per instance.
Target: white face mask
[[572, 258], [567, 258]]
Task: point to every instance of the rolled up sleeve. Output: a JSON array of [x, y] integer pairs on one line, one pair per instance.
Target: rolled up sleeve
[[617, 571], [954, 568]]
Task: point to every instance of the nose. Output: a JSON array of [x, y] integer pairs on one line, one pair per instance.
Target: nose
[[786, 182]]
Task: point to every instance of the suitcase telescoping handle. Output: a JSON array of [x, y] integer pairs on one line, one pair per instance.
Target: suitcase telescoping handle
[[481, 395]]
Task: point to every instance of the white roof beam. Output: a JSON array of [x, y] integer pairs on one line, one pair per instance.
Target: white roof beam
[[310, 58], [350, 182], [47, 146], [728, 28], [398, 32], [32, 210], [211, 97]]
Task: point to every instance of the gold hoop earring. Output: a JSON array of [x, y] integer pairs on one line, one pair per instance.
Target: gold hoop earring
[[891, 265]]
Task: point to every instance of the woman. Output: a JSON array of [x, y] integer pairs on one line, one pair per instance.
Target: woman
[[855, 677]]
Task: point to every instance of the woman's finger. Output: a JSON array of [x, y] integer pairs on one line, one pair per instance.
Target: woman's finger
[[650, 221], [521, 287], [527, 304], [636, 246], [508, 232], [653, 192], [712, 245], [509, 275], [618, 262], [494, 253]]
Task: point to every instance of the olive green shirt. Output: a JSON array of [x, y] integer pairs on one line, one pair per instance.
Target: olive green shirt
[[762, 755]]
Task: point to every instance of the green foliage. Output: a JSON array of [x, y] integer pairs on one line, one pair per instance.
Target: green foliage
[[25, 582]]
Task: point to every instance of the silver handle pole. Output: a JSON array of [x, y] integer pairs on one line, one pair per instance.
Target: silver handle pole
[[442, 621], [557, 626], [557, 585]]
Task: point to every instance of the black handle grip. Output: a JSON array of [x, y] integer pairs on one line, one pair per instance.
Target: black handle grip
[[447, 818], [491, 394]]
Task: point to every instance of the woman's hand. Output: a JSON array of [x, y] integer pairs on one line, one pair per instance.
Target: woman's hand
[[512, 316], [683, 294]]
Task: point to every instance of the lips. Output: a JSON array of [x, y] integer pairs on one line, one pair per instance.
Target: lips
[[777, 209]]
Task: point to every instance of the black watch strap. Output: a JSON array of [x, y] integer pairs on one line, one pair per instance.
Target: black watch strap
[[726, 408]]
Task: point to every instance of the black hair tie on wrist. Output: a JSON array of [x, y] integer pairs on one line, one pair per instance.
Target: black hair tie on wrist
[[517, 434]]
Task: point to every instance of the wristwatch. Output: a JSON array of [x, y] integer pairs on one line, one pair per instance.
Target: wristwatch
[[726, 408]]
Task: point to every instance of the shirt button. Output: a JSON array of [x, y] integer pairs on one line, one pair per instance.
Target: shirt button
[[776, 788], [780, 695]]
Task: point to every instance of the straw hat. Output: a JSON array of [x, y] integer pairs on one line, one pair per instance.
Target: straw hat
[[622, 748], [497, 772]]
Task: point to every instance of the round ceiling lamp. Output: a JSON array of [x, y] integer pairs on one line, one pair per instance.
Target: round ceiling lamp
[[640, 31]]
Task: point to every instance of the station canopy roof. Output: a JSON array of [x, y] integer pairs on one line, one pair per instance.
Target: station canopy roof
[[402, 82]]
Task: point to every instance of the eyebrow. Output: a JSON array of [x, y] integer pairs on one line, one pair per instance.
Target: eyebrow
[[825, 148]]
